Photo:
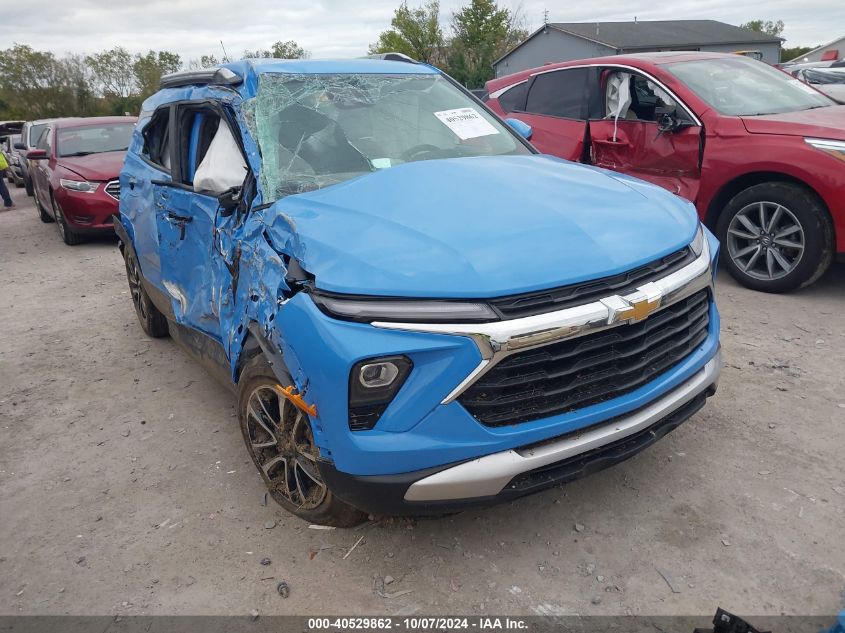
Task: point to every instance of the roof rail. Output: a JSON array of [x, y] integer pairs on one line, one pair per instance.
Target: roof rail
[[215, 76], [393, 57]]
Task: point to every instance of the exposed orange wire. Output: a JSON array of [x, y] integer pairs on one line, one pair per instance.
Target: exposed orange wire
[[298, 401]]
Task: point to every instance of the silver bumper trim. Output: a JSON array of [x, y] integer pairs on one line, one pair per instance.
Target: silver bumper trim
[[499, 339], [488, 475]]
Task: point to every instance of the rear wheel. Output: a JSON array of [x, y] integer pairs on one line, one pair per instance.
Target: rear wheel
[[69, 236], [776, 237], [27, 183], [279, 439], [153, 322]]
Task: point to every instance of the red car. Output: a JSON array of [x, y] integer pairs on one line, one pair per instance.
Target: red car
[[77, 162], [761, 155]]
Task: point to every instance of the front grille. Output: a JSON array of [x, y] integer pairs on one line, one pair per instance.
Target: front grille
[[113, 189], [579, 372], [540, 302]]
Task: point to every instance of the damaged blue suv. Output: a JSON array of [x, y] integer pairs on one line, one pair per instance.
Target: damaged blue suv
[[416, 311]]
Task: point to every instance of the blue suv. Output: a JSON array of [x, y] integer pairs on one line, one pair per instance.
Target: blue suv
[[416, 310]]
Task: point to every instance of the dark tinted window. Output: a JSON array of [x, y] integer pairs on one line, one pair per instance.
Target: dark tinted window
[[559, 93], [513, 100], [157, 138]]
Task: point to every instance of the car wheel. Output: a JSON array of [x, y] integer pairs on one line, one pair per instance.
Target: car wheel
[[70, 237], [45, 217], [776, 237], [279, 439], [27, 183], [153, 322]]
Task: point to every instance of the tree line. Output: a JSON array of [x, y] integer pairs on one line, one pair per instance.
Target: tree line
[[477, 35], [38, 84]]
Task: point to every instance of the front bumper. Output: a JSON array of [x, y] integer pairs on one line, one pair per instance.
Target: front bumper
[[88, 212], [516, 472]]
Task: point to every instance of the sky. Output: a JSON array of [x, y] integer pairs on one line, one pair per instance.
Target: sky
[[344, 28]]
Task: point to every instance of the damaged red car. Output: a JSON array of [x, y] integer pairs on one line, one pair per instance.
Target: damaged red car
[[77, 162], [762, 155]]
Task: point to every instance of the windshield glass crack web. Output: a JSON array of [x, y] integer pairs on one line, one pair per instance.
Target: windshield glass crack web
[[317, 130]]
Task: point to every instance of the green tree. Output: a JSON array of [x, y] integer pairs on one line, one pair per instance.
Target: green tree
[[414, 32], [150, 67], [33, 84], [764, 26], [113, 72], [279, 50], [482, 32], [787, 54]]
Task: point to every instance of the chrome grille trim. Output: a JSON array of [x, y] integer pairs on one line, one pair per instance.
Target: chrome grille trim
[[499, 339], [112, 188]]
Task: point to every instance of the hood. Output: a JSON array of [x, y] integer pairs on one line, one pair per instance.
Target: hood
[[826, 122], [104, 166], [478, 227]]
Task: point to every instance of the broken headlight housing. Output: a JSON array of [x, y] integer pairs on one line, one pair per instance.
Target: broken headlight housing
[[369, 309], [81, 186], [829, 146]]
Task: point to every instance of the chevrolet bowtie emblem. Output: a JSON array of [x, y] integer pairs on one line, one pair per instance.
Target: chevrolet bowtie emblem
[[636, 309]]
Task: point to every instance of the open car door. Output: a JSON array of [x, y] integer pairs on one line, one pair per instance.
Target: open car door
[[646, 132]]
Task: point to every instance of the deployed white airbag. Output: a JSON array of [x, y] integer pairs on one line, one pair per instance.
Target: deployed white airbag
[[618, 97], [223, 166]]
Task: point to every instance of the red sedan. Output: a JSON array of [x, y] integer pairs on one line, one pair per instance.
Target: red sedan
[[76, 165], [761, 154]]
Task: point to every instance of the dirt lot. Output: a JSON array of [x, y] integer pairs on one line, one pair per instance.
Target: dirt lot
[[125, 488]]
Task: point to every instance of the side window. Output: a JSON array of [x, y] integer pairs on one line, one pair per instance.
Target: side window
[[560, 93], [513, 99], [210, 158], [44, 140], [157, 139], [649, 101]]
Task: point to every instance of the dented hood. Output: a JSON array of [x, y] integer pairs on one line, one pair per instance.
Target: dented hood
[[100, 166], [478, 227], [828, 122]]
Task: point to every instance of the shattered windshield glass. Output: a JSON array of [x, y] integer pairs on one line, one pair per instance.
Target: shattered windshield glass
[[318, 130]]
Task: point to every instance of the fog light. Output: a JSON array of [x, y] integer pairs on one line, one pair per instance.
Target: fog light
[[376, 375], [373, 383]]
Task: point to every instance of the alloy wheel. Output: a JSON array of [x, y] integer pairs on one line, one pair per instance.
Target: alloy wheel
[[282, 444], [765, 240], [57, 214], [134, 277]]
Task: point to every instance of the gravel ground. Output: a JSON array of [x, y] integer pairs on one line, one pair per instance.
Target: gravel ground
[[125, 487]]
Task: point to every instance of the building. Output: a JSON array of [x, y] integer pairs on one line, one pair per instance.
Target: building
[[564, 41], [829, 52]]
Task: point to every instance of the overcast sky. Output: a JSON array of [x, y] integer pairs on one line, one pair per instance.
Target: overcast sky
[[344, 28]]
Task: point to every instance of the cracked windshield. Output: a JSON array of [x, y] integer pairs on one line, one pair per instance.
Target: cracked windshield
[[315, 131]]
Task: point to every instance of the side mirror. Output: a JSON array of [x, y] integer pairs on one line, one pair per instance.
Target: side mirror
[[37, 154], [521, 128], [20, 145], [229, 201], [667, 122]]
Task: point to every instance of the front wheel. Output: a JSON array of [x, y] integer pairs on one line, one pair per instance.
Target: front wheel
[[279, 439], [776, 237], [69, 236]]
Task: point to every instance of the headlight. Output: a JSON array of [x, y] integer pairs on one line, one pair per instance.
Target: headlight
[[834, 148], [82, 186], [404, 311], [697, 244]]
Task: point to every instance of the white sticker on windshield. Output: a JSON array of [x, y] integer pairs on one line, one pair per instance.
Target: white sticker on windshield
[[800, 84], [466, 123]]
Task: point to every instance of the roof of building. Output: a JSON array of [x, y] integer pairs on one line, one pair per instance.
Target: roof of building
[[837, 42], [631, 36]]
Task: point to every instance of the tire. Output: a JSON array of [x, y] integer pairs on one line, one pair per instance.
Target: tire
[[27, 183], [776, 237], [277, 433], [45, 217], [153, 322], [69, 236]]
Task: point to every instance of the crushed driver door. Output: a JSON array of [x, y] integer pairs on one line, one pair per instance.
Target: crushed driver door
[[634, 144]]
